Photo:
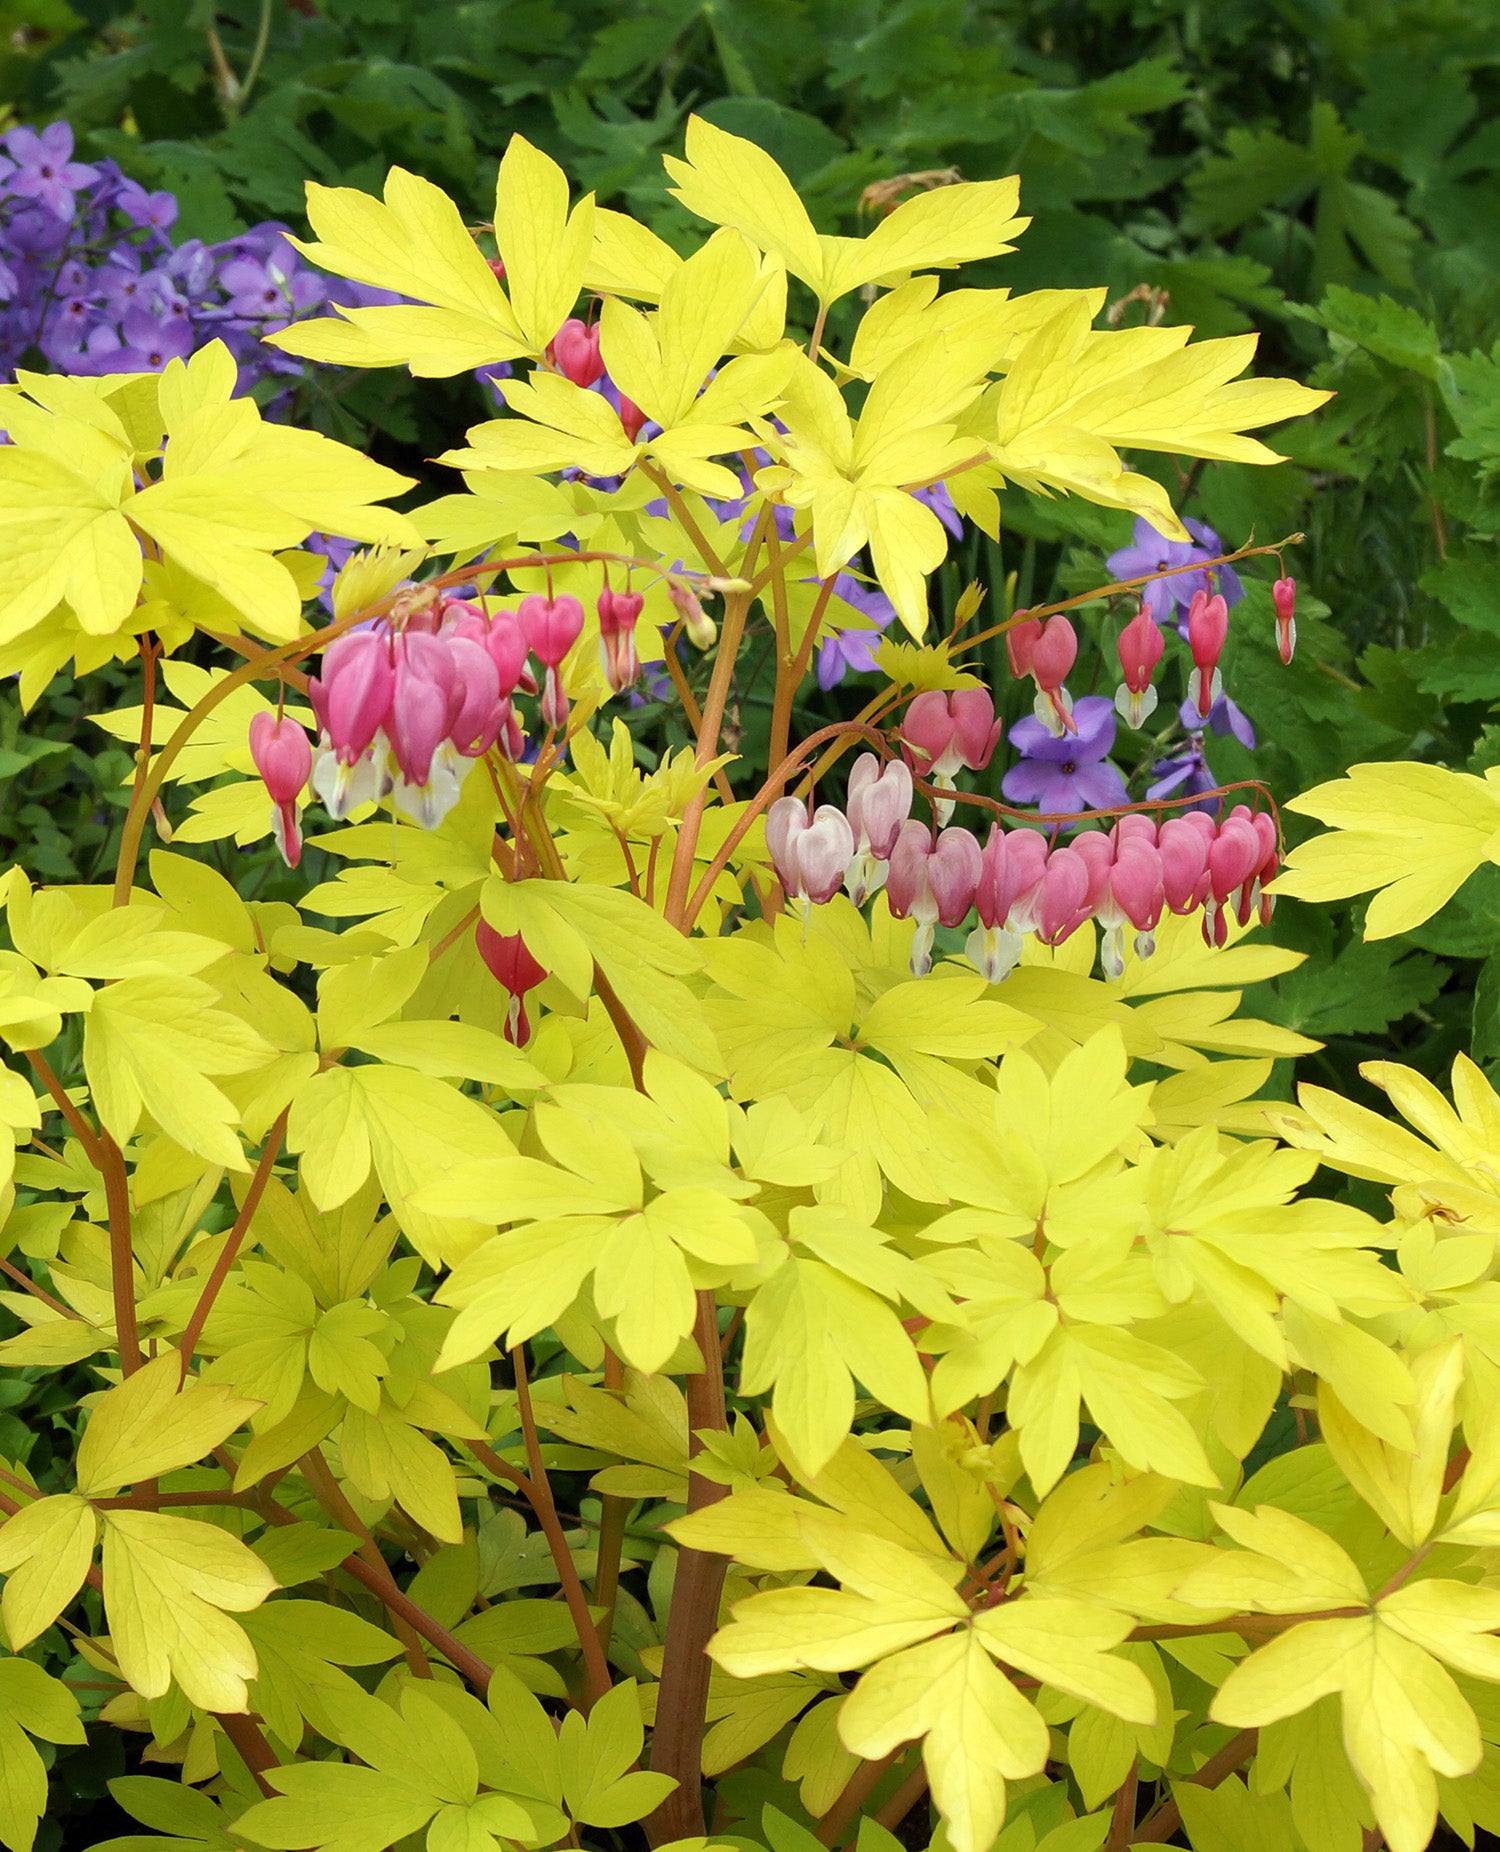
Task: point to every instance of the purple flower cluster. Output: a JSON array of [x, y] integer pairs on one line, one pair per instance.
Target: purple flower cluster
[[91, 280]]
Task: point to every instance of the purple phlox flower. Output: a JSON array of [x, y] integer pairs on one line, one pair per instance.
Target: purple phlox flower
[[1224, 717], [264, 289], [9, 284], [940, 502], [1185, 774], [852, 651], [1061, 776], [151, 211], [45, 169], [35, 232], [150, 343], [1151, 551], [191, 268]]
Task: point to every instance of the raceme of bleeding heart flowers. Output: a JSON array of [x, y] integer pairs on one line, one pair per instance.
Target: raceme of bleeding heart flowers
[[1018, 882]]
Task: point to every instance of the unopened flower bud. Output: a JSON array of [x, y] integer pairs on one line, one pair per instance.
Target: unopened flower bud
[[1140, 649], [699, 626], [1284, 597]]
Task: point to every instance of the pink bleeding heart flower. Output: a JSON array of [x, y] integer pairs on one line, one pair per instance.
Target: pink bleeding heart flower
[[1020, 641], [1284, 598], [1136, 896], [945, 730], [575, 352], [354, 693], [632, 417], [505, 640], [1011, 868], [1207, 629], [879, 802], [618, 612], [512, 965], [551, 627], [1235, 855], [1184, 845], [1052, 657], [932, 882], [810, 855], [1062, 902], [479, 716], [1140, 649], [283, 756], [424, 705]]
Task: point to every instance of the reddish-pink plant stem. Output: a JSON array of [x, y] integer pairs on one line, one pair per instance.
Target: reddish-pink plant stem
[[330, 1495], [230, 1251], [682, 1699], [1163, 1821], [125, 875], [614, 1511], [855, 1792], [736, 608], [77, 1124], [121, 1256], [251, 1747], [596, 1679], [27, 1284], [892, 1812], [1122, 1820], [789, 676]]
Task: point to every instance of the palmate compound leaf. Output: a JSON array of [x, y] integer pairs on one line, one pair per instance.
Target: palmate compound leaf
[[150, 1424], [1415, 832], [45, 1552], [1405, 1722], [438, 1761], [170, 1585], [898, 1610]]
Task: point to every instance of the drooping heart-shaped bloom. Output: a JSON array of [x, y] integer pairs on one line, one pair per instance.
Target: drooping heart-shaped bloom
[[551, 627], [1011, 868], [1062, 900], [810, 854], [283, 756], [352, 695], [933, 881], [1184, 843], [879, 802], [1052, 657], [618, 613], [1140, 648], [512, 965], [575, 352], [1207, 631], [1136, 897], [944, 730], [698, 627]]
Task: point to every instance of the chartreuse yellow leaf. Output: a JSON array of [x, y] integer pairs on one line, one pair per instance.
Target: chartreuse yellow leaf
[[150, 1424], [45, 1552], [77, 507], [1416, 832], [1072, 395], [170, 1585], [31, 1704], [730, 181], [595, 1759], [1403, 1486], [459, 316], [1404, 1720]]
